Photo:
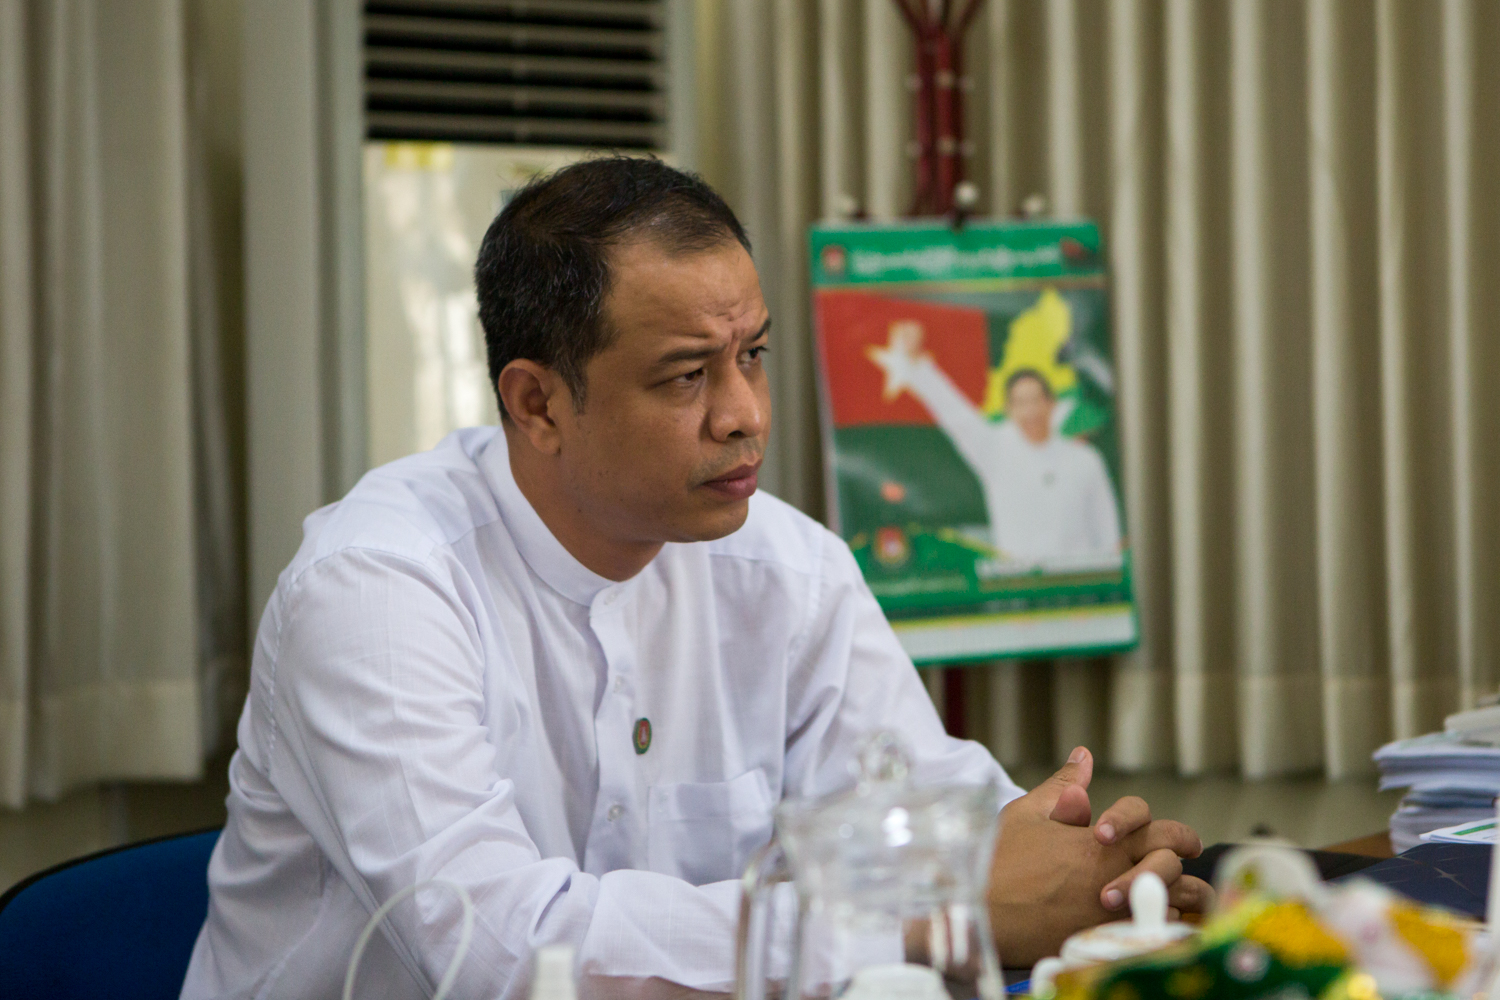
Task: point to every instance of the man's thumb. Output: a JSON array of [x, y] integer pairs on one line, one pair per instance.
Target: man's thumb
[[1066, 792]]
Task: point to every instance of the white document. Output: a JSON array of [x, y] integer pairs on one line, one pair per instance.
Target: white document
[[1464, 833]]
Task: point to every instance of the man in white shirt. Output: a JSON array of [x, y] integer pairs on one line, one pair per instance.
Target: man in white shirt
[[571, 664], [1048, 497]]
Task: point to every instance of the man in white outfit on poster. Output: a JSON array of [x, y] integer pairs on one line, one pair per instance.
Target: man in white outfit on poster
[[1048, 496]]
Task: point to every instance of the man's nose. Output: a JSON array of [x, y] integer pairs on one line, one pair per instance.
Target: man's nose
[[737, 410]]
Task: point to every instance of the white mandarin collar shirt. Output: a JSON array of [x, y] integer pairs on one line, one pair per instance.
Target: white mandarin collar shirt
[[440, 690]]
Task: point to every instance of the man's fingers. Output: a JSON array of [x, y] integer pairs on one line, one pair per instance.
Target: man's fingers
[[1163, 834], [1165, 863], [1191, 895], [1122, 819], [1079, 770]]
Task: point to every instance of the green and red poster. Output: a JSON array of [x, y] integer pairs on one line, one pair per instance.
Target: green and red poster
[[967, 392]]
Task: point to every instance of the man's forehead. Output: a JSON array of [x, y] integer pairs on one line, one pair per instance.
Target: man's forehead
[[736, 317], [710, 295]]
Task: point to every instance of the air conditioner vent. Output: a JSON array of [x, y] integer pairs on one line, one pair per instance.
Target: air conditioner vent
[[547, 72]]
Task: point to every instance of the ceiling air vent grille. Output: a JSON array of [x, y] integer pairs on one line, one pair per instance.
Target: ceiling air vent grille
[[548, 72]]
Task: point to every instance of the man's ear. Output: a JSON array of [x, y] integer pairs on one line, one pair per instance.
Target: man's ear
[[531, 392]]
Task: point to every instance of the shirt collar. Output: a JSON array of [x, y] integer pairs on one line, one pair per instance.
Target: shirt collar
[[540, 548], [1010, 427]]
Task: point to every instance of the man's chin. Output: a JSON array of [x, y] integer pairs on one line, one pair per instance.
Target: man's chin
[[725, 518]]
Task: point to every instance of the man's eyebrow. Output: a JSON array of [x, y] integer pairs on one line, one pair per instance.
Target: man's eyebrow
[[699, 353]]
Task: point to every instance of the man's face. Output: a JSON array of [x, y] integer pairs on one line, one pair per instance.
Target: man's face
[[1030, 406], [677, 408]]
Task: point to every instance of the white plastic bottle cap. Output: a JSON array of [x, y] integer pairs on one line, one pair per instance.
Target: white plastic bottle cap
[[553, 978], [1148, 903]]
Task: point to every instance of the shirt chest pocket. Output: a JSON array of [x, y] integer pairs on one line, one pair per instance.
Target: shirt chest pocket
[[706, 831]]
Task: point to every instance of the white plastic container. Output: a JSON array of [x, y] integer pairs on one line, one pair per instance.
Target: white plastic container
[[1147, 930]]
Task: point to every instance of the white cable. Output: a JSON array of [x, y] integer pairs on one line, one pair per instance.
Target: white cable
[[464, 934]]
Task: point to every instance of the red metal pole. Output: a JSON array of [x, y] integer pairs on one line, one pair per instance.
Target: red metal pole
[[926, 123], [938, 101], [946, 83]]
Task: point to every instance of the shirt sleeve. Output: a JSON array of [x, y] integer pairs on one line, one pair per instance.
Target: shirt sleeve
[[851, 677], [379, 746], [965, 426]]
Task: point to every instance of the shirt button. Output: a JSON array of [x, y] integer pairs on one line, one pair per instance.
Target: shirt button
[[619, 684], [615, 812]]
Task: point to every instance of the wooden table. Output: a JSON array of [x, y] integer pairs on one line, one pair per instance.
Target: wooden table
[[1375, 845]]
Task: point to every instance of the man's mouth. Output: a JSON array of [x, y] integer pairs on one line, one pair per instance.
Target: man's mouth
[[736, 484]]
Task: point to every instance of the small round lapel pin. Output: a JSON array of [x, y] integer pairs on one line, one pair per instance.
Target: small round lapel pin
[[642, 735]]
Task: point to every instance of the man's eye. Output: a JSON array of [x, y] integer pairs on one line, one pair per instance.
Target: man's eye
[[689, 378], [755, 353]]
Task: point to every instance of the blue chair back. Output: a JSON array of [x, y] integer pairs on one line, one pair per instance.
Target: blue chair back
[[120, 923]]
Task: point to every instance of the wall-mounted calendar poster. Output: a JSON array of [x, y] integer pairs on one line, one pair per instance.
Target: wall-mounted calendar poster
[[972, 454]]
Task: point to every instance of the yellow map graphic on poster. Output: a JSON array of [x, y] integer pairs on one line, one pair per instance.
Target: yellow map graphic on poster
[[1035, 338]]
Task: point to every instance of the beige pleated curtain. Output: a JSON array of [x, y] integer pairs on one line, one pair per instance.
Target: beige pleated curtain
[[1302, 206], [120, 608], [1303, 216]]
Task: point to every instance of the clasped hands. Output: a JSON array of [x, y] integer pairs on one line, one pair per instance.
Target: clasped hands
[[1053, 873]]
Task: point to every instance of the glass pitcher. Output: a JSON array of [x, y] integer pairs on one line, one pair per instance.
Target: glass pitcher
[[890, 889]]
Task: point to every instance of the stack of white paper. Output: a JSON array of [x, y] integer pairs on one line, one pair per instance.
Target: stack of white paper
[[1482, 832], [1452, 782]]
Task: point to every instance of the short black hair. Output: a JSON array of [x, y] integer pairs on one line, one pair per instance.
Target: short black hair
[[1032, 373], [544, 267]]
